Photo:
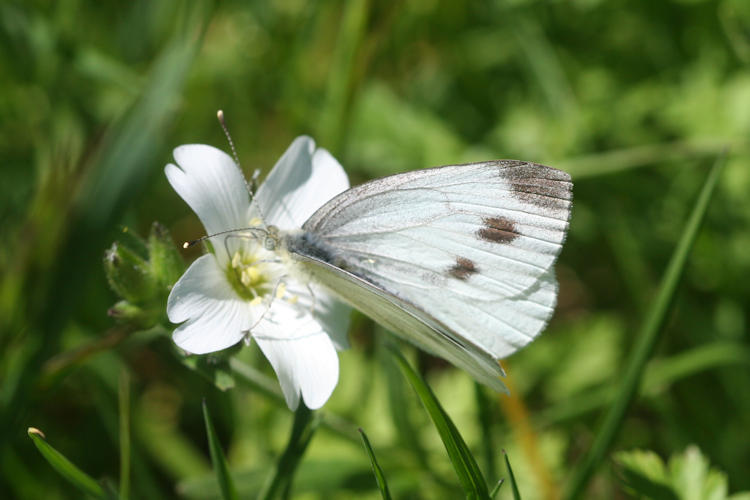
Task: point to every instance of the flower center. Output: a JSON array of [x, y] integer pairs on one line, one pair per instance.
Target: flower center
[[249, 276]]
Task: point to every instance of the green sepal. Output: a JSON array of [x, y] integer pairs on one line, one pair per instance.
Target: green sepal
[[165, 261], [125, 312]]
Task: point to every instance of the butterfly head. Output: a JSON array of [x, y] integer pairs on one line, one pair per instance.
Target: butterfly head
[[271, 240]]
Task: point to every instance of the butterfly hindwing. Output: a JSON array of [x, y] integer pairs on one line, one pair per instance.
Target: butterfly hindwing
[[407, 321]]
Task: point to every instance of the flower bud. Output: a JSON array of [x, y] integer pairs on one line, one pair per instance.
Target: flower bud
[[128, 274]]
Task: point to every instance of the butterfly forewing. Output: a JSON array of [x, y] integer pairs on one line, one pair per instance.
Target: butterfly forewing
[[467, 249]]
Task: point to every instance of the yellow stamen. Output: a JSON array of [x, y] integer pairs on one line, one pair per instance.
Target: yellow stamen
[[245, 277], [256, 301], [248, 275], [254, 273], [281, 290]]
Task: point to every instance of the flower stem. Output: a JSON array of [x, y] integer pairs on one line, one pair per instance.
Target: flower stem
[[303, 428]]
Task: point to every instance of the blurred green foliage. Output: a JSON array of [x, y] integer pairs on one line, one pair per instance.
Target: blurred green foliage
[[686, 476], [634, 99]]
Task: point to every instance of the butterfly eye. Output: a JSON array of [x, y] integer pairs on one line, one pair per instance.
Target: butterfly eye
[[269, 243]]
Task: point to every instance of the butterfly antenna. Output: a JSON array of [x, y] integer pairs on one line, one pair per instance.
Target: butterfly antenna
[[314, 302], [191, 243], [220, 116]]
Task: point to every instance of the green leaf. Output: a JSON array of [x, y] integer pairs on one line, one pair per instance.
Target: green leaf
[[463, 462], [643, 473], [687, 476], [692, 477], [650, 332], [379, 476], [65, 467], [512, 478], [226, 485]]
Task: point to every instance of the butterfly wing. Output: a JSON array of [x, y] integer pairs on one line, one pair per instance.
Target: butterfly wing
[[407, 320], [456, 256]]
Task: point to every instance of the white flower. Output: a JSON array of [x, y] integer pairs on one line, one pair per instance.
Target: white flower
[[244, 289]]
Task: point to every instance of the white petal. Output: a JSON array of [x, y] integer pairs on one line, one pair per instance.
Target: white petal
[[300, 183], [301, 353], [307, 365], [214, 317], [212, 184], [332, 314]]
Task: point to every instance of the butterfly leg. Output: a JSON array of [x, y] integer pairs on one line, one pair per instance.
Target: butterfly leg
[[313, 302]]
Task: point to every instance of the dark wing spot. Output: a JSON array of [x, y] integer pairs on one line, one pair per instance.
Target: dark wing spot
[[462, 269], [532, 183], [498, 230]]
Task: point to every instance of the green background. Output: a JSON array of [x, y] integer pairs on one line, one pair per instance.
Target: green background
[[635, 99]]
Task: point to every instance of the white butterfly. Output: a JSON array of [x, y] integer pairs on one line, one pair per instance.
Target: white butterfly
[[458, 259]]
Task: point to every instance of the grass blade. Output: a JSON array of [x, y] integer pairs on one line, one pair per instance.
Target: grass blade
[[342, 80], [400, 405], [123, 396], [65, 467], [650, 333], [463, 462], [496, 489], [485, 417], [658, 377], [620, 160], [379, 476], [226, 485], [303, 428], [512, 478], [336, 477], [114, 176]]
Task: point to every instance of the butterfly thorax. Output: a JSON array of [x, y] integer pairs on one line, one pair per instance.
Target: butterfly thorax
[[311, 245]]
